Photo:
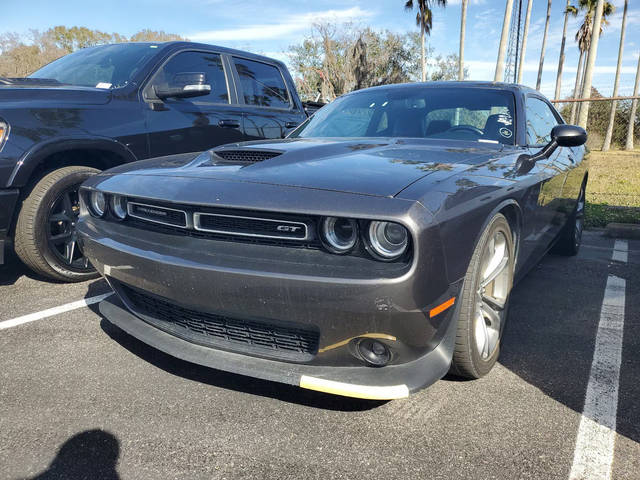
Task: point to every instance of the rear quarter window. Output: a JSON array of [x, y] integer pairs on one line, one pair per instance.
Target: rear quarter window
[[262, 84]]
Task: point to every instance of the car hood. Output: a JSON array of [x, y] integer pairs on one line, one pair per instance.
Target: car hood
[[51, 95], [378, 167]]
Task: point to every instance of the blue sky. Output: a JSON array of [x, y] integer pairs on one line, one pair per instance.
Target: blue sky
[[269, 27]]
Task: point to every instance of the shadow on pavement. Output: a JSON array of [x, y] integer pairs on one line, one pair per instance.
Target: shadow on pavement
[[90, 454], [231, 381], [13, 269]]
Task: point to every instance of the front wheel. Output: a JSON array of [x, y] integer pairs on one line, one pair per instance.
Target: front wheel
[[484, 301], [45, 237]]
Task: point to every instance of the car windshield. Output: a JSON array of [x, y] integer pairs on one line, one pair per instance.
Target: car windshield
[[106, 66], [452, 113]]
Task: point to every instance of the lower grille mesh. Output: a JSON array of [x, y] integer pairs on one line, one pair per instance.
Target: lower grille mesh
[[263, 338]]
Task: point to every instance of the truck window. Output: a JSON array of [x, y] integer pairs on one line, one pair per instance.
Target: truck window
[[191, 62], [262, 84]]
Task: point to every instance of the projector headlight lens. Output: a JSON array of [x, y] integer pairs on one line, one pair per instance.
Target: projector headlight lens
[[388, 240], [339, 234], [97, 204], [119, 206]]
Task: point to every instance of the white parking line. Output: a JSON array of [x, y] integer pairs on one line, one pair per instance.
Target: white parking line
[[593, 457], [620, 251], [32, 317]]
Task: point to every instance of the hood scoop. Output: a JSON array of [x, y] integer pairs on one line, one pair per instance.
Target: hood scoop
[[243, 156]]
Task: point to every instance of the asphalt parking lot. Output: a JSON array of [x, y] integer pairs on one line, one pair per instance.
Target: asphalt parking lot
[[79, 398]]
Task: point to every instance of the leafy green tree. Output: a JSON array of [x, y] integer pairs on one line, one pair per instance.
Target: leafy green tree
[[424, 20]]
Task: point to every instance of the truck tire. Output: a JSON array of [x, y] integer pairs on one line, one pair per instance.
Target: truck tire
[[45, 238]]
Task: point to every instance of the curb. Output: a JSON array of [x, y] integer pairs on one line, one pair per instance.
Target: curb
[[623, 230]]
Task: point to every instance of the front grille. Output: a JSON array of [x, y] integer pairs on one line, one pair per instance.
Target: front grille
[[267, 338], [250, 156], [250, 226]]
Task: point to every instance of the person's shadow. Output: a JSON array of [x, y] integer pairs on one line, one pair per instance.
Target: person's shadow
[[91, 455]]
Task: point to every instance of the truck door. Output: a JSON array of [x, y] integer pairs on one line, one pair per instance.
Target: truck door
[[179, 125], [270, 111]]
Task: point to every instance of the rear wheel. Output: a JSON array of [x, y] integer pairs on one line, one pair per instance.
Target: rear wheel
[[484, 301], [571, 236], [45, 237]]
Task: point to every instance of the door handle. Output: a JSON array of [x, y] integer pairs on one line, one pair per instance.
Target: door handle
[[572, 159], [229, 123], [291, 125]]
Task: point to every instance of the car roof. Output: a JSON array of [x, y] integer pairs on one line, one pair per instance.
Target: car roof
[[513, 87]]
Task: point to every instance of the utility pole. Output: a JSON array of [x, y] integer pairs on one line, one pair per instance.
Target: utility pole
[[612, 115], [634, 106], [525, 34], [502, 51], [591, 62]]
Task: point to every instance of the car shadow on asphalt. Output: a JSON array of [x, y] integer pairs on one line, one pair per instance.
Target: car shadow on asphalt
[[89, 454], [13, 270], [232, 381]]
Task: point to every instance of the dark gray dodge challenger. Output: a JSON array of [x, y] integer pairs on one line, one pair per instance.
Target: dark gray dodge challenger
[[366, 255]]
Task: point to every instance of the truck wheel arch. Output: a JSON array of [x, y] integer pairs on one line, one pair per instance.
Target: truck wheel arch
[[100, 153]]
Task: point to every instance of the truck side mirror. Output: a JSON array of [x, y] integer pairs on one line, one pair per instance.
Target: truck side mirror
[[184, 85]]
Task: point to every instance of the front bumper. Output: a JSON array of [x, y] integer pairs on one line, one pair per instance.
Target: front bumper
[[264, 282]]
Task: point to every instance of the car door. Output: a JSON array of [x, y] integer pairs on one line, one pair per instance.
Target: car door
[[270, 111], [179, 125], [551, 214]]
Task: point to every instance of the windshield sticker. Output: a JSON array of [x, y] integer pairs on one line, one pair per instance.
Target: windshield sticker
[[103, 85], [505, 132]]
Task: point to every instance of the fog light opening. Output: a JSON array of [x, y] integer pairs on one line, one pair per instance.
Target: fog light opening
[[373, 352]]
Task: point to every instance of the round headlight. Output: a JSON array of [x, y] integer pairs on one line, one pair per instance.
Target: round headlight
[[98, 203], [339, 234], [119, 206], [388, 240]]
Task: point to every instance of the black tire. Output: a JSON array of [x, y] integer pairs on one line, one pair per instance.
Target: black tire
[[568, 243], [468, 361], [44, 224]]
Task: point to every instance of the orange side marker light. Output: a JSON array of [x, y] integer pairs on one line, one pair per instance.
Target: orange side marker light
[[442, 307]]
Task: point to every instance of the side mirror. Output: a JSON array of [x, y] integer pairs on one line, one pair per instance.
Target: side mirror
[[184, 85], [568, 135]]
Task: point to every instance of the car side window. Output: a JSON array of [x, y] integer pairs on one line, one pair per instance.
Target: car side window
[[540, 122], [262, 84], [197, 62]]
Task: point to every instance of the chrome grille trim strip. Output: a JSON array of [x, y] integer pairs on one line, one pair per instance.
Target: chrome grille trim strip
[[197, 226]]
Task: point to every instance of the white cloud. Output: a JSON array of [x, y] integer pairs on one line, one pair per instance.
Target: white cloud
[[286, 26]]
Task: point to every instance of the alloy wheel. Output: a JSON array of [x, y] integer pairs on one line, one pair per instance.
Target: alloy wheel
[[61, 231], [494, 284]]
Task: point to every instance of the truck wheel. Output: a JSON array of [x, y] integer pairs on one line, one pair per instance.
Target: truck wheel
[[484, 301], [45, 237]]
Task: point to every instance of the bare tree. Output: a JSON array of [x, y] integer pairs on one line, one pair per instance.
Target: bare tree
[[525, 35], [591, 62], [504, 37], [634, 107], [544, 45], [463, 27], [607, 138]]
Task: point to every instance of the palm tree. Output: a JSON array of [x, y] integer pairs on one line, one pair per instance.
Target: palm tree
[[591, 62], [502, 50], [569, 10], [544, 45], [634, 106], [463, 27], [583, 37], [612, 115], [424, 19], [525, 35]]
